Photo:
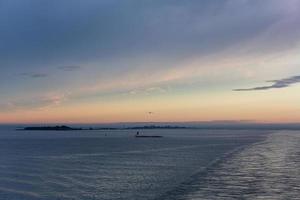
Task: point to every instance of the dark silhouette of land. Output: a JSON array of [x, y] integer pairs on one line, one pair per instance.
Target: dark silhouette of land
[[137, 135], [67, 128], [148, 136], [51, 128], [212, 126]]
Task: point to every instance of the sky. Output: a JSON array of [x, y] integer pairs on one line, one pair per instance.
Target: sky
[[103, 61]]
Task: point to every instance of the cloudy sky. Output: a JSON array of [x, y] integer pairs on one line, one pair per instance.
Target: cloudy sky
[[97, 61]]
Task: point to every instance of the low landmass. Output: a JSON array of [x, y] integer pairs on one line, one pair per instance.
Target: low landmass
[[50, 128], [148, 136], [158, 127], [212, 126], [67, 128]]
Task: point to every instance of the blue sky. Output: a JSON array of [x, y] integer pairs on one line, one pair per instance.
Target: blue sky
[[61, 56]]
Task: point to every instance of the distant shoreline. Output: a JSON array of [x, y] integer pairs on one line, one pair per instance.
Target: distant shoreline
[[151, 127], [68, 128]]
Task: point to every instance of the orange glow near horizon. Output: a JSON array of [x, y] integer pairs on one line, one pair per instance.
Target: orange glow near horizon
[[272, 106]]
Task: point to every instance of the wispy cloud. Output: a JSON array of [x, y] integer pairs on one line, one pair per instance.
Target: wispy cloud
[[148, 91], [69, 68], [34, 103], [280, 83], [34, 75]]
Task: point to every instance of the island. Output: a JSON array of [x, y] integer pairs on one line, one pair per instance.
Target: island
[[50, 128], [147, 136]]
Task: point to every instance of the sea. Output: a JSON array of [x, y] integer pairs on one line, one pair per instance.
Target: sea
[[185, 164]]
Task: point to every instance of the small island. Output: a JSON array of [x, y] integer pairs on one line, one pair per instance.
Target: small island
[[50, 128], [157, 127], [147, 136]]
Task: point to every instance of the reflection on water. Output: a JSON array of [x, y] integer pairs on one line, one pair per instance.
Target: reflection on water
[[266, 170], [185, 164]]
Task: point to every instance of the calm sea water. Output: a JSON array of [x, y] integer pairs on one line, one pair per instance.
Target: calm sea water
[[184, 164]]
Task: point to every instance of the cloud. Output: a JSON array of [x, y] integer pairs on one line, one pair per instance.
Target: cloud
[[69, 68], [156, 89], [280, 83], [148, 91], [34, 75], [96, 30], [145, 39], [34, 103]]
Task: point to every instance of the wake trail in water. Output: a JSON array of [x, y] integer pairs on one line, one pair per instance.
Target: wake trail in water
[[265, 170]]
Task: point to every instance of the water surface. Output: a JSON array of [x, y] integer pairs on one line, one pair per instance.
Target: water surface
[[184, 164]]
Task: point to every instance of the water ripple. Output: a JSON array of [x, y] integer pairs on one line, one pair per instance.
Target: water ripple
[[266, 170]]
